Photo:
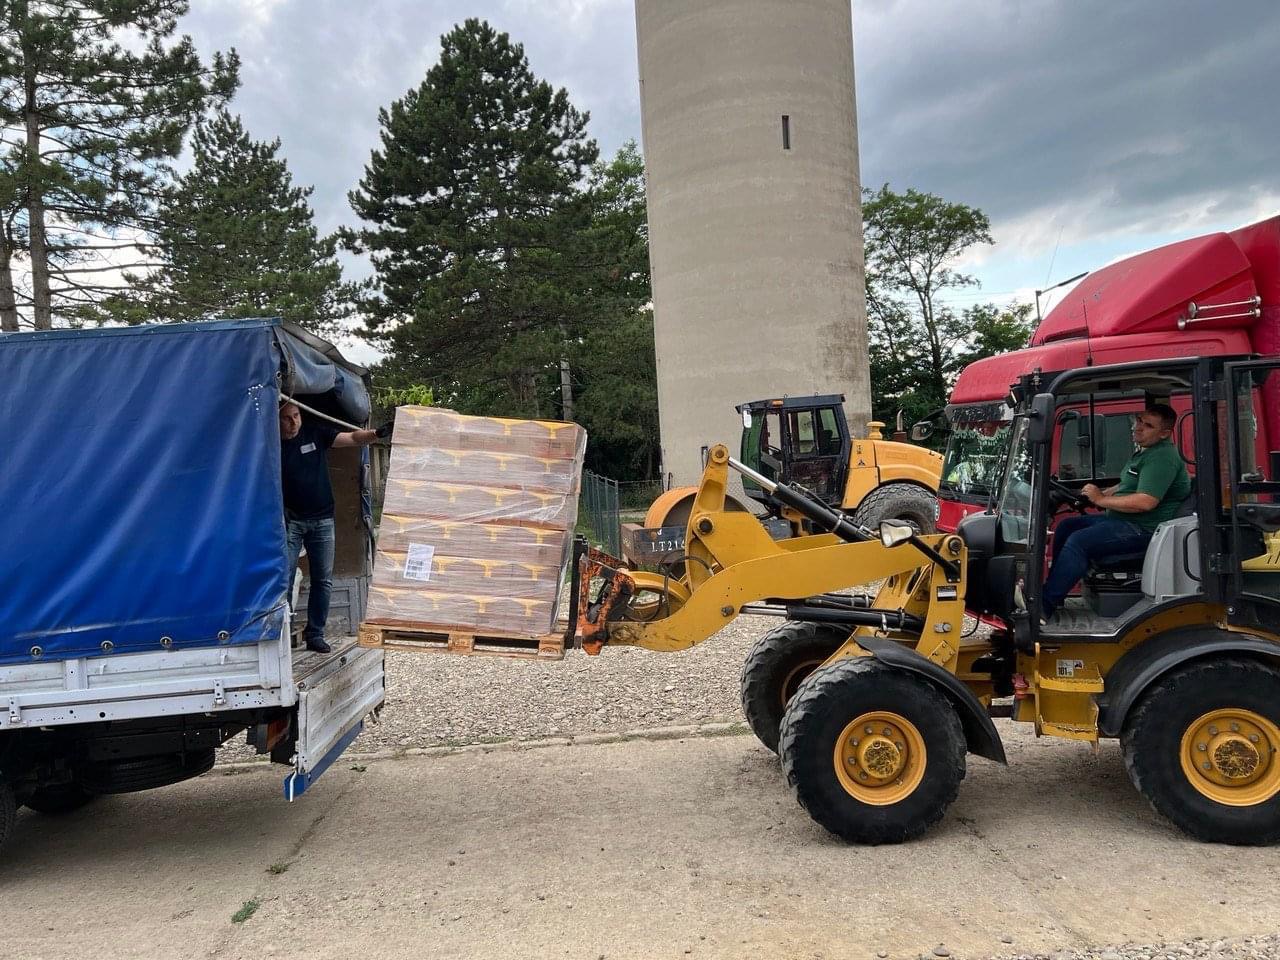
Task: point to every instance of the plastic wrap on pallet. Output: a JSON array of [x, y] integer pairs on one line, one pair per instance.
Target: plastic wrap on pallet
[[477, 523], [471, 613]]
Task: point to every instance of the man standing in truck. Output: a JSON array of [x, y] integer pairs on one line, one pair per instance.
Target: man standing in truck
[[1153, 484], [308, 505]]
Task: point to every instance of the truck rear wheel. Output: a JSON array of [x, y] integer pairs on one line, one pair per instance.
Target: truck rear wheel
[[1203, 746], [874, 754], [146, 773], [8, 813], [57, 800], [904, 502], [775, 668]]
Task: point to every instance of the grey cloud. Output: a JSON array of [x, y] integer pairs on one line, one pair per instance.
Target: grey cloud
[[1098, 116], [1121, 113], [315, 72]]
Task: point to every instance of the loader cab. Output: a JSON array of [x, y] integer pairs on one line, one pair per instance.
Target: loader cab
[[797, 440], [1219, 553]]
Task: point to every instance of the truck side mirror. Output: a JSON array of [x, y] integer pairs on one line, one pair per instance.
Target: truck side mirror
[[922, 431], [1041, 429]]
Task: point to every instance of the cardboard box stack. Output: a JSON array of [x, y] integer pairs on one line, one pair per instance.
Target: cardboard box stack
[[477, 523]]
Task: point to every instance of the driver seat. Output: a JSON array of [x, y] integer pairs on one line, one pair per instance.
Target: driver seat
[[1125, 568]]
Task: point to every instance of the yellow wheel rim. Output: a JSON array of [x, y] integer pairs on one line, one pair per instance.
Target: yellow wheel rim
[[1232, 756], [880, 758]]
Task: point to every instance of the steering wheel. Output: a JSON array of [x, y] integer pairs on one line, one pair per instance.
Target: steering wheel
[[1073, 498]]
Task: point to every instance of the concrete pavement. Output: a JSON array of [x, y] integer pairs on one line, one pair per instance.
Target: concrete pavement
[[641, 848]]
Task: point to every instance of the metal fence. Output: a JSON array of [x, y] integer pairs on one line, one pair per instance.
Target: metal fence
[[598, 513]]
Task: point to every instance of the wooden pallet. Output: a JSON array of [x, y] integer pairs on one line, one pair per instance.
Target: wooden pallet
[[429, 639]]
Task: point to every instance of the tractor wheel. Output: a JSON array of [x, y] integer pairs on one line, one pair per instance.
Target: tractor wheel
[[8, 812], [903, 502], [61, 799], [774, 668], [874, 754], [1203, 746]]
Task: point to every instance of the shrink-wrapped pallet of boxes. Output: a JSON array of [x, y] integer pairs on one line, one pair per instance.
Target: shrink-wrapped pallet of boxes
[[476, 530]]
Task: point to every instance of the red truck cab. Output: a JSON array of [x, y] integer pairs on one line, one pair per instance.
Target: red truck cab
[[1217, 294]]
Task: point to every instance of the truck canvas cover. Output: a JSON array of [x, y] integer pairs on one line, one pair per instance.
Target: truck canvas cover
[[140, 503]]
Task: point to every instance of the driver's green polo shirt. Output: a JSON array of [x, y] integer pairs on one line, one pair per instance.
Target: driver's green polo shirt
[[1158, 471]]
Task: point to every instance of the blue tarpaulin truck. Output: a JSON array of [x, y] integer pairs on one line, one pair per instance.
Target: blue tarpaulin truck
[[144, 616]]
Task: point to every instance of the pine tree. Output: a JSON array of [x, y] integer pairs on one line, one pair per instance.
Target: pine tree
[[95, 99], [236, 238], [472, 213]]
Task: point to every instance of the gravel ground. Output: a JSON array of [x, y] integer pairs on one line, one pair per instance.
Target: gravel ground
[[1264, 947], [435, 699]]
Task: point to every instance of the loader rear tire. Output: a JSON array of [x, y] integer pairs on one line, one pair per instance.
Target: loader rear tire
[[874, 754], [1203, 746], [8, 812], [775, 668], [903, 502]]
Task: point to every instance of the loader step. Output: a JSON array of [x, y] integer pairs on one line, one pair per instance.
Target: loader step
[[430, 639]]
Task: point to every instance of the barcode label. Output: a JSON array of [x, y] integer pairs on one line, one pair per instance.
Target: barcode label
[[417, 565]]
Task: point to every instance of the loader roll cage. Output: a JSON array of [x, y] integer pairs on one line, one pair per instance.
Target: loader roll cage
[[1236, 498]]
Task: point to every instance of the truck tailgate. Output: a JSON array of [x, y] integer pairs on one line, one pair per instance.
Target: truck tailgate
[[332, 704]]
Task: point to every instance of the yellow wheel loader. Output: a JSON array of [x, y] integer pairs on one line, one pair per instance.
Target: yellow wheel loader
[[874, 700], [805, 442]]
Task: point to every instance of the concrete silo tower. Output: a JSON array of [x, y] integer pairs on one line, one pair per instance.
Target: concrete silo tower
[[751, 152]]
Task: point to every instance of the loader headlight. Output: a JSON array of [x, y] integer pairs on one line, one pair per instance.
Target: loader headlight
[[892, 534]]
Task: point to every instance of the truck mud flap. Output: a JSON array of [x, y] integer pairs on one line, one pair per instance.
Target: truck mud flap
[[332, 705]]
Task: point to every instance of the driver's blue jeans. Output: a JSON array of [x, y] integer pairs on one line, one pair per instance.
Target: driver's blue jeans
[[1076, 541]]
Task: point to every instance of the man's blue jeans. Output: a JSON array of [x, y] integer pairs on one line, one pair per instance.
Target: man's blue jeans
[[317, 537], [1076, 541]]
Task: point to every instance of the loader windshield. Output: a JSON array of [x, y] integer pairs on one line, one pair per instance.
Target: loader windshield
[[975, 452], [1014, 504]]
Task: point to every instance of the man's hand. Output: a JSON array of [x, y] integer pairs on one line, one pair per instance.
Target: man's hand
[[1092, 492], [384, 431]]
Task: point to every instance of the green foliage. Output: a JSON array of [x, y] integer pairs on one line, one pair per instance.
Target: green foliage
[[918, 345], [613, 362], [236, 238], [387, 399], [98, 98], [247, 910], [472, 213]]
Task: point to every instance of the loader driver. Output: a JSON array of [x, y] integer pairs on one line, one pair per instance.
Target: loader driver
[[1153, 484], [308, 505]]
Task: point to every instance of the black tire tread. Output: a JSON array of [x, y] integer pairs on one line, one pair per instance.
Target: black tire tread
[[825, 685], [759, 671], [59, 800], [8, 813], [147, 773], [898, 500], [1150, 774]]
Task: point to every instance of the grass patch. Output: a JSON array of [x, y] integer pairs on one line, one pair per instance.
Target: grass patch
[[278, 868], [248, 910]]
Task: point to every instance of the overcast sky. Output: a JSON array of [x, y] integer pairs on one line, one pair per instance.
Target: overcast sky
[[1086, 129]]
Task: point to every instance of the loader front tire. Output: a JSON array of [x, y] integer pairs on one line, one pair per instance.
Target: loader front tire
[[873, 753], [775, 668], [1203, 746], [901, 502]]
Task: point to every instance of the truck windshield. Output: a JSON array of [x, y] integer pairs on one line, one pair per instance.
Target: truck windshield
[[971, 466], [1014, 504]]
